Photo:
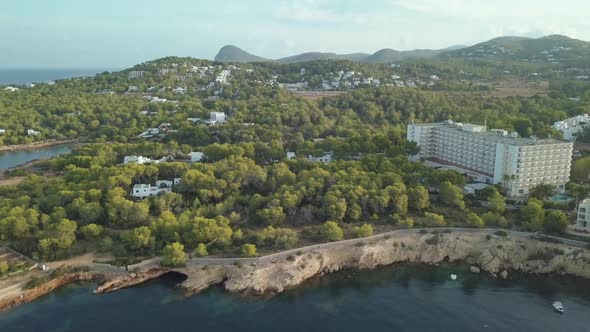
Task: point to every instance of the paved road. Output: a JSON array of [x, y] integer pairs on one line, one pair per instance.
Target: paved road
[[395, 233]]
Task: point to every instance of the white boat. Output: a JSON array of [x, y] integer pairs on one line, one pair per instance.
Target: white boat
[[453, 276], [558, 306]]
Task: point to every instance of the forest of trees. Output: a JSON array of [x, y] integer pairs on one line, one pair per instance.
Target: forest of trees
[[246, 197]]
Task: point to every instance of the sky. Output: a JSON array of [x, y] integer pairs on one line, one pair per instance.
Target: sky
[[121, 33]]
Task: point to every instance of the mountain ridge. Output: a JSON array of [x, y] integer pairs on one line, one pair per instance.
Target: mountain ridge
[[553, 49], [230, 53]]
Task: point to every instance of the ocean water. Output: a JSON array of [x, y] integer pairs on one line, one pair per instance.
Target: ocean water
[[400, 298], [24, 76]]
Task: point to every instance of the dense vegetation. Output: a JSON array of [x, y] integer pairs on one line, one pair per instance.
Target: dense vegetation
[[246, 197]]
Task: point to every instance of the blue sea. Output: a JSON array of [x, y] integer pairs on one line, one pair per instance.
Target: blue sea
[[398, 298], [24, 76]]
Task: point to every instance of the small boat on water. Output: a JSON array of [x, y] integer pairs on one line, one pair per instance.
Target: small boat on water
[[453, 276], [558, 306]]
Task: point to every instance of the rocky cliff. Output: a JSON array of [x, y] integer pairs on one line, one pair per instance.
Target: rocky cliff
[[493, 254]]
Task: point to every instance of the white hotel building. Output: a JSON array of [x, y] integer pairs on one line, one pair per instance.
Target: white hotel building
[[519, 164]]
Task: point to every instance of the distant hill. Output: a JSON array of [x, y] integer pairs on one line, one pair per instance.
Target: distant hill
[[313, 56], [230, 53], [234, 54], [551, 50], [554, 49]]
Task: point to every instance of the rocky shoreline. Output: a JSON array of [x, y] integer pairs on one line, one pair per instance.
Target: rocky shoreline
[[28, 295], [276, 273]]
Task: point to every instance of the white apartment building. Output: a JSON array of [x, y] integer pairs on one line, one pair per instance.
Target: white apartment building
[[570, 128], [495, 156], [583, 221]]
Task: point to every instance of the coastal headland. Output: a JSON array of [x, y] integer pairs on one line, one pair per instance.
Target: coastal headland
[[484, 250]]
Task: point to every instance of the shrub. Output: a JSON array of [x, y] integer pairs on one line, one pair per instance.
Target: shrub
[[248, 250], [91, 231], [407, 223], [548, 239], [434, 220], [365, 230], [423, 231], [331, 231], [501, 233], [3, 268], [174, 255], [201, 250]]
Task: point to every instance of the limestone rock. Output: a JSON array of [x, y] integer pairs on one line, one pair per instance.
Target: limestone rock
[[504, 274], [474, 269]]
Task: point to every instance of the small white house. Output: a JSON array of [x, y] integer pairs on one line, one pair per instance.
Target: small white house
[[137, 160], [151, 132], [32, 132], [217, 117], [571, 127], [196, 156], [291, 155], [10, 88], [161, 187], [326, 158], [2, 131], [180, 90]]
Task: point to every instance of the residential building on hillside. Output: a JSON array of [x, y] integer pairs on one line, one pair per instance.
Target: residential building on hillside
[[137, 160], [570, 128], [161, 187], [33, 132], [326, 158], [217, 117], [583, 221], [2, 131], [196, 156], [495, 156], [135, 74]]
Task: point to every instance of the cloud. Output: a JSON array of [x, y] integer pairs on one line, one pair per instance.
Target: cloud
[[306, 11], [487, 9]]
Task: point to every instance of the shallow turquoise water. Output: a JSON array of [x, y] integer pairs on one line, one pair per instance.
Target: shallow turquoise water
[[402, 298]]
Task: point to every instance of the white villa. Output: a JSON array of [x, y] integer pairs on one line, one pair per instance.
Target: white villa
[[196, 156], [570, 128], [151, 132], [180, 90], [2, 131], [138, 160], [326, 158], [146, 190], [32, 132], [217, 117], [10, 88]]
